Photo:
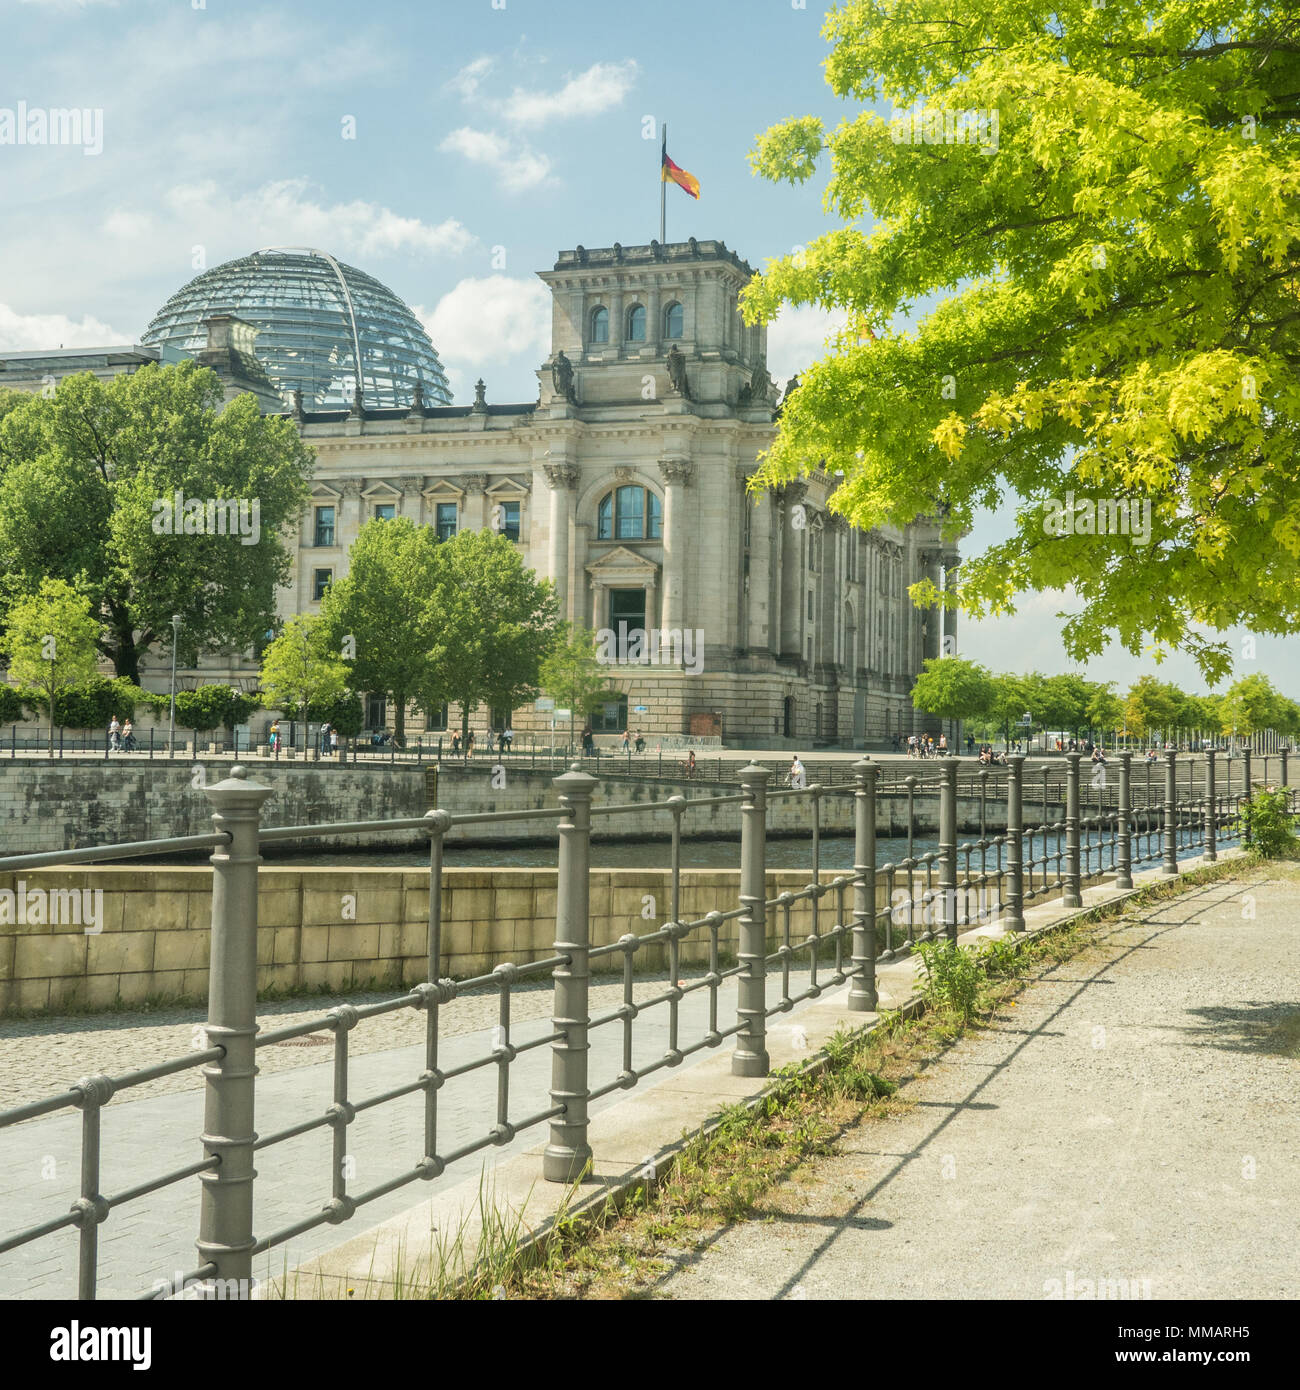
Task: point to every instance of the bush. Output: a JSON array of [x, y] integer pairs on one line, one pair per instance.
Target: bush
[[1269, 822], [212, 707], [11, 704]]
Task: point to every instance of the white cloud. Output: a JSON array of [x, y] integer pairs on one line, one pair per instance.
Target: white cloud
[[798, 337], [284, 213], [602, 86], [517, 168], [488, 322], [468, 80], [42, 332]]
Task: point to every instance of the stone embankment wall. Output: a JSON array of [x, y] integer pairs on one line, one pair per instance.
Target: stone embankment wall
[[339, 927], [48, 806]]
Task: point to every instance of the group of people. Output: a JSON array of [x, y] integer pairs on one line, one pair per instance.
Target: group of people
[[988, 756], [633, 741], [924, 746], [121, 735], [505, 741]]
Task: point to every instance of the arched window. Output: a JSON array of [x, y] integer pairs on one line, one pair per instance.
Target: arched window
[[600, 325], [674, 321], [629, 513], [636, 324]]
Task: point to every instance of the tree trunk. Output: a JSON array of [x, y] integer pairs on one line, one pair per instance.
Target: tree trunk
[[399, 717], [51, 723]]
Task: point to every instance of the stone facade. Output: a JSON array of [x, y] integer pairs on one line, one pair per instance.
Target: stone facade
[[625, 483]]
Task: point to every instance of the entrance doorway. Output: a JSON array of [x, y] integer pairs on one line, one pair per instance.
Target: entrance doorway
[[788, 723]]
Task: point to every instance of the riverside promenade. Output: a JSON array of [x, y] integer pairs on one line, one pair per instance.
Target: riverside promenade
[[1128, 1130]]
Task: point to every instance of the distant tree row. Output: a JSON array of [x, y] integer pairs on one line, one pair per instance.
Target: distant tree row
[[995, 705]]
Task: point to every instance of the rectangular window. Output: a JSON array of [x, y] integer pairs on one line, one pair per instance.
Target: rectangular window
[[436, 721], [376, 711], [324, 525], [630, 521], [321, 580], [810, 605], [385, 511], [447, 521], [510, 520]]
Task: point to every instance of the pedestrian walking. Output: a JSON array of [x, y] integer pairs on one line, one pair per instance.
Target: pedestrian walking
[[334, 741], [114, 734]]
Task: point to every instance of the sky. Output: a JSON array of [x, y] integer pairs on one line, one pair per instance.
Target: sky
[[450, 148]]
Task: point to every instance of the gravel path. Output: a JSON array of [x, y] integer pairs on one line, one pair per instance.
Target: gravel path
[[1128, 1129]]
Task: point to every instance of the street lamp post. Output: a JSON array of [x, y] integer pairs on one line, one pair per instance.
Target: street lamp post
[[171, 723]]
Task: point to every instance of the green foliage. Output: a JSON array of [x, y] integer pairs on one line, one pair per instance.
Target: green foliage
[[303, 664], [344, 713], [213, 707], [1269, 822], [382, 610], [953, 978], [573, 675], [92, 703], [50, 642], [1251, 705], [953, 688], [494, 623], [11, 704], [1118, 313], [82, 472]]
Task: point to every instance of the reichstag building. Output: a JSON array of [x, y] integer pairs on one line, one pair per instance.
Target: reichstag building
[[762, 618]]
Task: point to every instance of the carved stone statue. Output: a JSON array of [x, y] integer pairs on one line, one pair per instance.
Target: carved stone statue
[[759, 390], [358, 401], [416, 411], [562, 377], [297, 405], [677, 371], [791, 387], [480, 397]]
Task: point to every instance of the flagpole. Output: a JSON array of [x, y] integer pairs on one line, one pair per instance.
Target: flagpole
[[663, 190]]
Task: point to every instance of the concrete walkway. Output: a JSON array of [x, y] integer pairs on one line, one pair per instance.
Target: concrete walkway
[[1128, 1130]]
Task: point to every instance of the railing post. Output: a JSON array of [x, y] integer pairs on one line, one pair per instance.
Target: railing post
[[1071, 889], [863, 997], [1014, 913], [1282, 753], [1170, 867], [1211, 808], [750, 1057], [568, 1153], [1247, 789], [948, 846], [1124, 860], [226, 1211]]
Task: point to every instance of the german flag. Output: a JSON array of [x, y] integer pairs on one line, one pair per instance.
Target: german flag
[[672, 174]]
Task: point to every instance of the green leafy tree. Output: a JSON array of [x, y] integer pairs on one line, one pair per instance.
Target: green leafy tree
[[573, 675], [495, 623], [1011, 701], [1117, 263], [11, 704], [302, 667], [88, 481], [1251, 705], [1151, 707], [381, 619], [953, 688], [1105, 710], [50, 642]]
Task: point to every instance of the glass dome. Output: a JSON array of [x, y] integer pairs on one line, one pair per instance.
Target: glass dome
[[324, 327]]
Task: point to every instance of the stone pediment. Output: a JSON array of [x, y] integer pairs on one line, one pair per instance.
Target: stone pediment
[[623, 565]]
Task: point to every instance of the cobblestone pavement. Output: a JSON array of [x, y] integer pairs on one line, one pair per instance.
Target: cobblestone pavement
[[143, 1136], [42, 1055], [1128, 1130]]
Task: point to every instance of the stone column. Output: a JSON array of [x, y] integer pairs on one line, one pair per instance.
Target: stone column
[[793, 535], [476, 502], [654, 318], [775, 535], [676, 475], [561, 478], [412, 499], [760, 566], [950, 563]]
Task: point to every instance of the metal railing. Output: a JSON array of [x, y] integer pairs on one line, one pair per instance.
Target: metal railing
[[990, 878]]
